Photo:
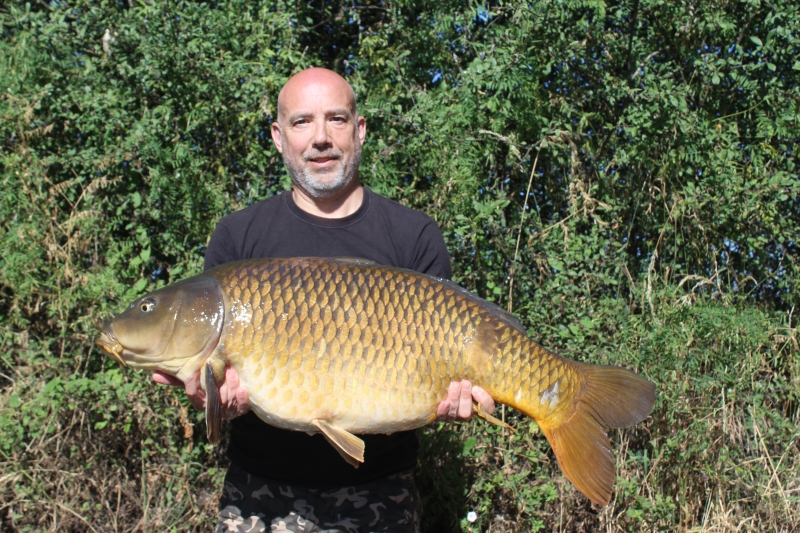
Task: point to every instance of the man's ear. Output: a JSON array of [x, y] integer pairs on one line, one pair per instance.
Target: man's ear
[[275, 131], [361, 127]]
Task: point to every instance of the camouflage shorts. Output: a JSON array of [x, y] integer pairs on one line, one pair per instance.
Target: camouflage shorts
[[252, 504]]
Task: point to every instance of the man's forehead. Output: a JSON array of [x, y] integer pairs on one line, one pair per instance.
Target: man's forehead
[[314, 89], [316, 95]]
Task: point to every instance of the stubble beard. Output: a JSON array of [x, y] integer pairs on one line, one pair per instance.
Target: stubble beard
[[324, 184]]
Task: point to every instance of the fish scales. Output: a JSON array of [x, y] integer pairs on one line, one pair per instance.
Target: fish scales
[[345, 346], [322, 285]]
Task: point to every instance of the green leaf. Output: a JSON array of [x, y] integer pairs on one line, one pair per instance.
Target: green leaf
[[756, 40], [469, 444], [140, 285]]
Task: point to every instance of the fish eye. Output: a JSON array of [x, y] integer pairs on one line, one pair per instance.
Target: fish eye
[[145, 306]]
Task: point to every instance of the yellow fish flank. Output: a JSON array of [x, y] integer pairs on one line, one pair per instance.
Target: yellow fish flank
[[346, 346]]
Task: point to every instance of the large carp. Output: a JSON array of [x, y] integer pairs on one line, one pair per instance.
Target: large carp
[[346, 346]]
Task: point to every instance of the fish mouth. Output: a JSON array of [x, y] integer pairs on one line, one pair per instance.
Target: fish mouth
[[108, 343]]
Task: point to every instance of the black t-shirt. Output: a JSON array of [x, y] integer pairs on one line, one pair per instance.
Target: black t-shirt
[[380, 230]]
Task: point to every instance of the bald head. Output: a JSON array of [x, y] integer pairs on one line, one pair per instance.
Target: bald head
[[315, 79]]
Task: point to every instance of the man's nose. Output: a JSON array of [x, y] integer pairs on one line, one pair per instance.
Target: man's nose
[[321, 134]]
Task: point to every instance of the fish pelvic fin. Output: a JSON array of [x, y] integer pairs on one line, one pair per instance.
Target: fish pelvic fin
[[350, 447], [611, 397]]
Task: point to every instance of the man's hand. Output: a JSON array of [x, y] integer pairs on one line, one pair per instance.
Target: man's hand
[[458, 405], [233, 398]]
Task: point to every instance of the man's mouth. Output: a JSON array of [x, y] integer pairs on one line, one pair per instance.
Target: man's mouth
[[323, 159]]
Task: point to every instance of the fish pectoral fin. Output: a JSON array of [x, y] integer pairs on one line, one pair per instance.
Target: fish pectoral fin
[[213, 408], [350, 447], [478, 410]]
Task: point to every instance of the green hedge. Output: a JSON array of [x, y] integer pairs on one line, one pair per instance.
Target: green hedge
[[621, 176]]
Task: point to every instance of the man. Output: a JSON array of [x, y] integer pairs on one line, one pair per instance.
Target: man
[[290, 481]]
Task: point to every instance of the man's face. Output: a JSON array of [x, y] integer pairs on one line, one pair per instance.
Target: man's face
[[319, 136]]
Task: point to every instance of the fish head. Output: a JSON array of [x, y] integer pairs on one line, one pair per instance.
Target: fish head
[[173, 329]]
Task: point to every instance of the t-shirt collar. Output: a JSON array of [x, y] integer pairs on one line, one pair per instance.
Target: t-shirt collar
[[323, 222]]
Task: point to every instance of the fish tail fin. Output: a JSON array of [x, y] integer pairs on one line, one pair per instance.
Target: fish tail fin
[[611, 397]]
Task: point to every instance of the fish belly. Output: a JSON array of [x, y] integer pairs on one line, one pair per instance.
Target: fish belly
[[344, 393]]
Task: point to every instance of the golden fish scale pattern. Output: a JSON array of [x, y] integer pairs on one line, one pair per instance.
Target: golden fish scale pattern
[[529, 377], [371, 349]]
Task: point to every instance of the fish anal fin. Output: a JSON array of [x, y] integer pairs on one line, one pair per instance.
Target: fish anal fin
[[478, 410], [350, 447], [213, 407]]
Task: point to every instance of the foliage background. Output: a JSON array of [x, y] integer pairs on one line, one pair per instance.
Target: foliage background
[[622, 175]]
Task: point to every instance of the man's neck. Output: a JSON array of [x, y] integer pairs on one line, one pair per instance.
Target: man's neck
[[339, 206]]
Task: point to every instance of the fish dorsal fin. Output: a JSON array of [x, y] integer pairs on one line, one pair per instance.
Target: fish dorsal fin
[[354, 261], [493, 309], [350, 447]]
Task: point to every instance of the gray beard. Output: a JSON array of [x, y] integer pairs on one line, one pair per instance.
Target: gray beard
[[338, 180]]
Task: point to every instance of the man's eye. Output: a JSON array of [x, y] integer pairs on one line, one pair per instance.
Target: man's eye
[[300, 122], [338, 119]]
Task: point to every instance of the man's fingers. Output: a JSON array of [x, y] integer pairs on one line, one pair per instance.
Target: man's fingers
[[192, 385], [238, 405], [231, 378], [465, 400], [227, 391], [196, 395], [453, 396], [459, 402], [235, 400], [242, 401], [484, 399]]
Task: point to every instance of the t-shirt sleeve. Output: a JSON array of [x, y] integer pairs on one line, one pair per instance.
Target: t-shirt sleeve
[[431, 253], [220, 249]]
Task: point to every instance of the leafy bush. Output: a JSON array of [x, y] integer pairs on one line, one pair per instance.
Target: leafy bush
[[621, 176]]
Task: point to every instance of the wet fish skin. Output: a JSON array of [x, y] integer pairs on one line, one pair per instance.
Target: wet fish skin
[[346, 346]]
